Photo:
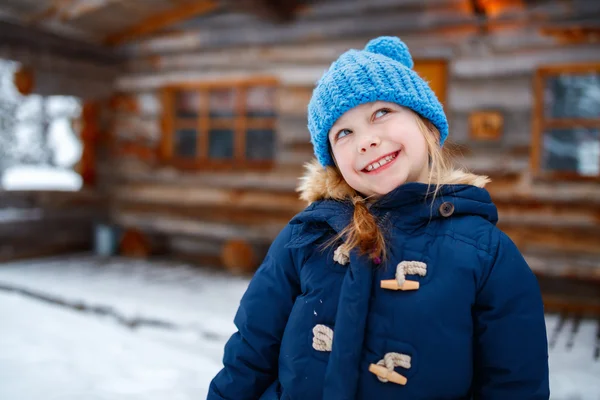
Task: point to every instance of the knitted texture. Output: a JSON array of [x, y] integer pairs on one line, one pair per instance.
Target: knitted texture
[[382, 71]]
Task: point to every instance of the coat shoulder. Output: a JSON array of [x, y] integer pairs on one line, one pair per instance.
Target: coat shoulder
[[477, 231]]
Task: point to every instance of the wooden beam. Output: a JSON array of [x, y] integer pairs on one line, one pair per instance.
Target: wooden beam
[[83, 7], [573, 35], [32, 40], [51, 11], [161, 20]]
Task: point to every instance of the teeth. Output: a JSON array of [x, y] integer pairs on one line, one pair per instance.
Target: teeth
[[380, 163]]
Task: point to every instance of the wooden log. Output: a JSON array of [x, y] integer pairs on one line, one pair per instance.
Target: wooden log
[[292, 75], [493, 163], [292, 101], [179, 226], [34, 40], [198, 251], [575, 206], [574, 305], [212, 213], [42, 250], [191, 245], [507, 94], [554, 264], [135, 244], [494, 66], [205, 196], [50, 199], [41, 226], [516, 131], [573, 296], [160, 20], [292, 130], [423, 45], [70, 232], [128, 172], [548, 192], [566, 240], [373, 24], [45, 239], [238, 257], [292, 159]]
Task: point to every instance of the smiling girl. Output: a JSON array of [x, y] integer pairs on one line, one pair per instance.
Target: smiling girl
[[394, 283]]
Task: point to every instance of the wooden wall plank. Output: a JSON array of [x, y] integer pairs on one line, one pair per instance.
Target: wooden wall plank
[[205, 196], [201, 229], [29, 39], [161, 20], [493, 66], [372, 24]]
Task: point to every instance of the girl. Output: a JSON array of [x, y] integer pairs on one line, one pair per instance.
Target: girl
[[394, 283]]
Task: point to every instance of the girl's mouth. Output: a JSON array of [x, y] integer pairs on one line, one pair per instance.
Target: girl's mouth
[[381, 164]]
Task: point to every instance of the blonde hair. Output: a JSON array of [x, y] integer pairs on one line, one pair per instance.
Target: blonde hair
[[364, 232]]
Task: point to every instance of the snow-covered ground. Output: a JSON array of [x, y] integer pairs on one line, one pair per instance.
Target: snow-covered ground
[[82, 327]]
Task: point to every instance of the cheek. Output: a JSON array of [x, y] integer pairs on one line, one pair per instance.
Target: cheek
[[343, 158], [346, 168], [418, 148]]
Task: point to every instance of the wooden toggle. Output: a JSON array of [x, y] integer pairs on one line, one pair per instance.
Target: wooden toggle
[[386, 374], [392, 284]]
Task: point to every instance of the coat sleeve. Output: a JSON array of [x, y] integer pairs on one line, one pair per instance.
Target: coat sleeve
[[251, 354], [510, 343]]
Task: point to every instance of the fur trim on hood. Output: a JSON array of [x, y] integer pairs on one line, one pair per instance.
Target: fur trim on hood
[[320, 183]]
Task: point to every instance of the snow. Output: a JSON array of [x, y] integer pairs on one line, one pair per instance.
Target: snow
[[52, 353], [66, 331], [32, 177]]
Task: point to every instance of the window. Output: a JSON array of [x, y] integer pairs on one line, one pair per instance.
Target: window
[[220, 125], [435, 72], [566, 136], [39, 146]]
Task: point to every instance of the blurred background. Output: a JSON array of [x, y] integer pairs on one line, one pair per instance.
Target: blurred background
[[150, 151]]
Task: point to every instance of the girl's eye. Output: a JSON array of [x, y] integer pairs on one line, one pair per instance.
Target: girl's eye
[[342, 133], [380, 113]]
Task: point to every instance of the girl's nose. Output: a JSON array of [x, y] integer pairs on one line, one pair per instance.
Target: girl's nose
[[371, 141]]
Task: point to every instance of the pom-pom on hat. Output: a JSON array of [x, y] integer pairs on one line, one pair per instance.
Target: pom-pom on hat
[[382, 71]]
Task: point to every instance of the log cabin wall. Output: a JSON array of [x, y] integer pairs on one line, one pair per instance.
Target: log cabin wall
[[60, 65], [42, 223], [476, 63]]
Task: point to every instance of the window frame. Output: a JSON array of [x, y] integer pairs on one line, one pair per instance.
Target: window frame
[[541, 123], [240, 123]]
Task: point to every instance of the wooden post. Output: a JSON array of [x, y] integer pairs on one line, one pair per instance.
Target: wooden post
[[89, 138]]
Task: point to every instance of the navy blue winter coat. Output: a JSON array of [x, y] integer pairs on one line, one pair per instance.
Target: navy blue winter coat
[[474, 329]]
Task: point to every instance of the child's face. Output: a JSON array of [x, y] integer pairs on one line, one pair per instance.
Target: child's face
[[379, 146]]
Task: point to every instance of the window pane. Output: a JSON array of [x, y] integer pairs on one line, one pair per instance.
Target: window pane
[[222, 103], [572, 150], [572, 96], [220, 143], [260, 102], [260, 144], [186, 143], [187, 103]]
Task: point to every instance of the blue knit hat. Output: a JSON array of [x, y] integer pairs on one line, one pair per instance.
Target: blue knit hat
[[380, 72]]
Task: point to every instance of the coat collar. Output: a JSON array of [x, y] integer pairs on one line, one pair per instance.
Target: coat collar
[[329, 197]]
